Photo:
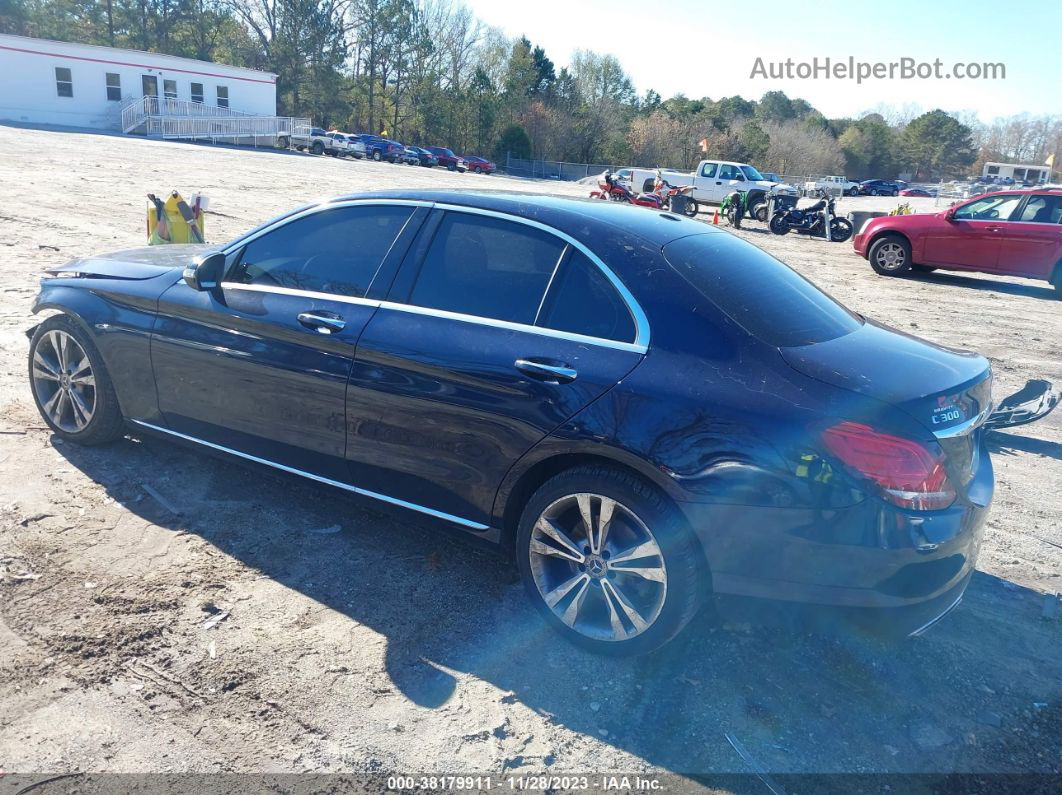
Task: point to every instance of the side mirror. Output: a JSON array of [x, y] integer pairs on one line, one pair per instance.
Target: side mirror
[[949, 214], [205, 272]]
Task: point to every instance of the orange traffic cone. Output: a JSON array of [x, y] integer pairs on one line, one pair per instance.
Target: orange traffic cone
[[715, 217]]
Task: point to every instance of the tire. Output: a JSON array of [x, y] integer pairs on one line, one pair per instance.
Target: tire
[[890, 255], [283, 142], [692, 208], [895, 193], [376, 155], [89, 413], [778, 225], [451, 166], [664, 597], [756, 210], [1056, 280], [840, 230], [317, 148]]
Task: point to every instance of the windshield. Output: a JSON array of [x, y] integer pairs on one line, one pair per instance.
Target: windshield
[[764, 296], [751, 173]]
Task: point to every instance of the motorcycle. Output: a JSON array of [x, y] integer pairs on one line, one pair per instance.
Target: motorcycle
[[660, 198], [608, 188], [810, 220]]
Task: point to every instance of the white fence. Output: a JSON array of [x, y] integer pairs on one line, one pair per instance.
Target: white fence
[[181, 119]]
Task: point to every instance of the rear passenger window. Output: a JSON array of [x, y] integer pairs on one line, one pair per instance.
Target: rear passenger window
[[582, 300], [333, 251], [488, 267], [1043, 210]]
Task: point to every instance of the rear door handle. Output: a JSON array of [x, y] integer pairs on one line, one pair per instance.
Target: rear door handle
[[322, 322], [556, 373]]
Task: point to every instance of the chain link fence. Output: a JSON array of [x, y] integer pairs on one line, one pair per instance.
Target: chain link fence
[[553, 169]]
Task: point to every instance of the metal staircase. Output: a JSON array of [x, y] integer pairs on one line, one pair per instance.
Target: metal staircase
[[176, 119]]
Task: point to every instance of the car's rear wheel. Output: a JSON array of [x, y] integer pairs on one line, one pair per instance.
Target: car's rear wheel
[[376, 156], [70, 384], [1056, 280], [890, 255], [609, 561]]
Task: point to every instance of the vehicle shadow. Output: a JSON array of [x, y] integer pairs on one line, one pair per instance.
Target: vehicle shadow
[[974, 283], [1000, 443], [797, 703]]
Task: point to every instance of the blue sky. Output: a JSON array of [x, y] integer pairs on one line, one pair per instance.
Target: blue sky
[[704, 48]]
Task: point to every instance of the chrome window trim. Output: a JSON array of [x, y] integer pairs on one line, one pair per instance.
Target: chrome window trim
[[641, 322], [321, 479], [269, 288], [505, 324]]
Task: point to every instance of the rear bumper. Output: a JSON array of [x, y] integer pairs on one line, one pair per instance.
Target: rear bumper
[[859, 243], [869, 566]]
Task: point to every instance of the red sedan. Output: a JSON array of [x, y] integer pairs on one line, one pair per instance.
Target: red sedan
[[1012, 233], [480, 165]]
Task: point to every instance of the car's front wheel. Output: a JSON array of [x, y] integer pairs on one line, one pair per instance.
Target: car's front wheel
[[890, 255], [609, 561], [70, 384]]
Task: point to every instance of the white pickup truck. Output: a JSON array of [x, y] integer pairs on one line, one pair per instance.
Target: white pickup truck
[[835, 186], [714, 180]]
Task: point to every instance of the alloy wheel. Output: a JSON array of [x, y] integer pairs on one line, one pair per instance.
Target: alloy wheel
[[890, 256], [598, 567], [63, 381]]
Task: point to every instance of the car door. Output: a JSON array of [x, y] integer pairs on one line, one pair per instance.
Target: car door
[[709, 186], [730, 180], [260, 364], [1032, 239], [972, 237], [497, 331]]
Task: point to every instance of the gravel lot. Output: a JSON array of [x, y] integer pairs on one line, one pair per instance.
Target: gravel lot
[[389, 645]]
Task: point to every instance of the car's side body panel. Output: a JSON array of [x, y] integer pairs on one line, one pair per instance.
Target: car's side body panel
[[119, 315]]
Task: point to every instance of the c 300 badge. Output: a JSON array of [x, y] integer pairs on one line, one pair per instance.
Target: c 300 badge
[[946, 410]]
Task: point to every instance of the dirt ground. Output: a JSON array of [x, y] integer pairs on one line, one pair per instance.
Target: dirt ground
[[231, 627]]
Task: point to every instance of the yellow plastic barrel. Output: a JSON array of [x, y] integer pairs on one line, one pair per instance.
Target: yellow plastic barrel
[[179, 231]]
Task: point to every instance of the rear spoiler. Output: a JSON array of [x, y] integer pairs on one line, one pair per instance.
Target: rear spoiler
[[1032, 402]]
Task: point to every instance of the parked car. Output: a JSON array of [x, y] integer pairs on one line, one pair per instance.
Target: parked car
[[835, 186], [379, 148], [647, 411], [419, 156], [479, 165], [1012, 233], [346, 145], [880, 187], [447, 158], [918, 192], [313, 139]]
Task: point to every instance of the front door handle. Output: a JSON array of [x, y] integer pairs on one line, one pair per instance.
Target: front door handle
[[543, 371], [322, 322]]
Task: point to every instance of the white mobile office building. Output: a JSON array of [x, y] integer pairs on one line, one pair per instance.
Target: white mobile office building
[[82, 85], [1019, 172]]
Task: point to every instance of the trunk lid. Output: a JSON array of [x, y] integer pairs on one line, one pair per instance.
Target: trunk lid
[[947, 392]]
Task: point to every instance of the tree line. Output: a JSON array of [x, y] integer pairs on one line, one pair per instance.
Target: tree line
[[428, 71]]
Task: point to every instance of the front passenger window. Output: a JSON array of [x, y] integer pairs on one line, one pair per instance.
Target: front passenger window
[[335, 251]]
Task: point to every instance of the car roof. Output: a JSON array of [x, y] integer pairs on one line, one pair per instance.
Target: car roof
[[573, 216]]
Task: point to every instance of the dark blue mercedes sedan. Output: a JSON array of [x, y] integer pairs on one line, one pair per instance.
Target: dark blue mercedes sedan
[[649, 412]]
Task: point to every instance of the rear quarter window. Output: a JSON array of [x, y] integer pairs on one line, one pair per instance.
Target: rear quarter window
[[764, 296]]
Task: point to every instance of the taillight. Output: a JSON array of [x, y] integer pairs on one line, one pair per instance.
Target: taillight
[[908, 474]]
